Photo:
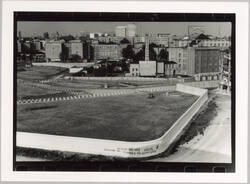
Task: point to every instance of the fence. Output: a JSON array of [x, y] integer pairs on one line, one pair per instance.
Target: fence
[[117, 148]]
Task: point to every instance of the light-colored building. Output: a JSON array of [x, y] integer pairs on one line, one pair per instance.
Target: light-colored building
[[139, 39], [131, 30], [107, 51], [120, 31], [53, 50], [180, 56], [76, 48], [222, 43]]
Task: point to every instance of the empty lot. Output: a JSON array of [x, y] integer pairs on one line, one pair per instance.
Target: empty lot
[[125, 118]]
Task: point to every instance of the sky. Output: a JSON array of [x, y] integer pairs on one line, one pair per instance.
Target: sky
[[30, 28]]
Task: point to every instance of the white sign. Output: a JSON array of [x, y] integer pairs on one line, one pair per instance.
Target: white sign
[[147, 68]]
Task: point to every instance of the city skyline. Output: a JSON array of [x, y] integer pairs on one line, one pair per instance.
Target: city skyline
[[32, 28]]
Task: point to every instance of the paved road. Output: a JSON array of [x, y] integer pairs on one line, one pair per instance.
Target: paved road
[[214, 145]]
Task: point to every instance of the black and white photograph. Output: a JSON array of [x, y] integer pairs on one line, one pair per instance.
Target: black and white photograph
[[144, 91], [116, 92]]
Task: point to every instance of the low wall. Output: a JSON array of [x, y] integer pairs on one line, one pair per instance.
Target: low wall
[[117, 148], [63, 65], [204, 84], [127, 78]]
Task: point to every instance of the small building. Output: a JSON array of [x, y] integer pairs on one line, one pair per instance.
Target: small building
[[134, 70], [170, 68]]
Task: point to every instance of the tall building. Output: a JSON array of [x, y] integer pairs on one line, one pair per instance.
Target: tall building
[[126, 31], [53, 50], [76, 47], [131, 30], [120, 31], [179, 55], [203, 60]]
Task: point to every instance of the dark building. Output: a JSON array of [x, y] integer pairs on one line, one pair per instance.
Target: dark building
[[203, 60], [207, 60]]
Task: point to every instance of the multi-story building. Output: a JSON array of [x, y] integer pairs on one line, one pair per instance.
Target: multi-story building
[[107, 51], [180, 56], [170, 68], [120, 31], [204, 62], [76, 48], [53, 50], [126, 31], [139, 39], [222, 43], [131, 30], [159, 40]]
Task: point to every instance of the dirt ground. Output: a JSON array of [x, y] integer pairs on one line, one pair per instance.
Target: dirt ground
[[214, 145]]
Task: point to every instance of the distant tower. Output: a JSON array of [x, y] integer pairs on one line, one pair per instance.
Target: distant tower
[[19, 35], [146, 47]]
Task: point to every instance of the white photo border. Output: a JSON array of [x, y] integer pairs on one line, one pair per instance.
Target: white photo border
[[241, 41]]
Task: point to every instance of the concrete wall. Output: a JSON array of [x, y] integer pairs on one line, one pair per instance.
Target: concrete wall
[[117, 148]]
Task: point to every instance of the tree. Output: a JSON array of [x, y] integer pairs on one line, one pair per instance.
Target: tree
[[140, 56], [124, 41], [163, 55], [46, 35], [128, 52], [64, 54], [67, 38], [75, 58]]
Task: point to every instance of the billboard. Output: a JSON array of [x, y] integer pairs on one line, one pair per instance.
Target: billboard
[[147, 68]]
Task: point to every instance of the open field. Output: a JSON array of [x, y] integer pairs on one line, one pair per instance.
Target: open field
[[115, 84], [39, 73], [126, 118], [31, 92]]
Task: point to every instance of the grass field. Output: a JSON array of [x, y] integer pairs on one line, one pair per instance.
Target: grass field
[[97, 84], [126, 118], [39, 73]]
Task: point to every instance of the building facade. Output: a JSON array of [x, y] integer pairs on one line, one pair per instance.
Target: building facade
[[120, 31], [221, 43], [180, 56], [203, 61], [134, 70], [53, 51], [107, 51], [76, 48], [131, 30]]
